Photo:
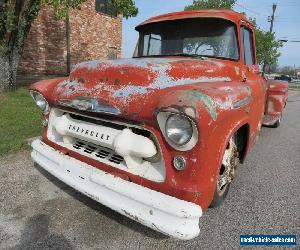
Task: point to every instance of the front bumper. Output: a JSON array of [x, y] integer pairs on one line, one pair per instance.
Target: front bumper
[[161, 212]]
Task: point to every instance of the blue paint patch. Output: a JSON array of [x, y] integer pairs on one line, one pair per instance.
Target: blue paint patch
[[127, 91], [137, 62]]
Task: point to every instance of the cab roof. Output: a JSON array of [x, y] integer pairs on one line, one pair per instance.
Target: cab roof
[[229, 15]]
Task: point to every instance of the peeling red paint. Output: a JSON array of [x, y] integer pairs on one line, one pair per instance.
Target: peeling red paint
[[224, 14]]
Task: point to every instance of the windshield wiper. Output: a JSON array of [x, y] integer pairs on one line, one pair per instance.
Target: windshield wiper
[[179, 54], [191, 55]]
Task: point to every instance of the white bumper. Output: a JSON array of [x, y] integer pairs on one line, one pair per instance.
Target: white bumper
[[156, 210]]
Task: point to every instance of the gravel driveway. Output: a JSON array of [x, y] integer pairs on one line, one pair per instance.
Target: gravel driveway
[[39, 212]]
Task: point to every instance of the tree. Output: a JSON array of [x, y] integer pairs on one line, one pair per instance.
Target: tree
[[211, 4], [266, 44], [16, 17]]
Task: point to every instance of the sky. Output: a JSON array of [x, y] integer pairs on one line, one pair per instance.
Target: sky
[[286, 25]]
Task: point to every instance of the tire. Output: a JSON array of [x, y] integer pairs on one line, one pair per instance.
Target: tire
[[230, 162], [276, 124], [219, 198]]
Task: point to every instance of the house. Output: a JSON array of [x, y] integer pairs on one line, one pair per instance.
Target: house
[[54, 46]]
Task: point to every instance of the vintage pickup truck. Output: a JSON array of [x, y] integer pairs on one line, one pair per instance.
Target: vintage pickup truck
[[158, 137]]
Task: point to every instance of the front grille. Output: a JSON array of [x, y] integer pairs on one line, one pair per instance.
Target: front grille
[[98, 151], [102, 154], [150, 169], [138, 131]]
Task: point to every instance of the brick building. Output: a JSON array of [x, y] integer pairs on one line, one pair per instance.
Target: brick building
[[94, 33]]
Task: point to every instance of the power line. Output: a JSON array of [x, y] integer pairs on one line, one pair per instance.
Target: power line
[[289, 39], [286, 18], [253, 11], [279, 21]]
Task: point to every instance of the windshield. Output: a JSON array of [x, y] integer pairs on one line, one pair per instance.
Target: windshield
[[207, 37]]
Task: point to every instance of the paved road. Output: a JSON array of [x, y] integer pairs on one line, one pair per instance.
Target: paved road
[[37, 211]]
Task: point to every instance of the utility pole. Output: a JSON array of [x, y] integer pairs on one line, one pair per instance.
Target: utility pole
[[271, 20], [273, 17]]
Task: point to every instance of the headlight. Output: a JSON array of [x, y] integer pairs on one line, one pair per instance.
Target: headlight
[[40, 101], [179, 129]]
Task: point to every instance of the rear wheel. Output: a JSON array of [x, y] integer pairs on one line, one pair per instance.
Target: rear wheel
[[276, 124], [230, 162]]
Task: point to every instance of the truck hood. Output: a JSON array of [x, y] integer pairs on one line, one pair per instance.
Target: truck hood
[[135, 86]]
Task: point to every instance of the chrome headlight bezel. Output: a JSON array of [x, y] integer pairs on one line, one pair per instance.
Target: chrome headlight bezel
[[40, 101], [179, 129], [162, 118]]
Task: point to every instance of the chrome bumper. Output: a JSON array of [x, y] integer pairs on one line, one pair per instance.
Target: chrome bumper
[[161, 212]]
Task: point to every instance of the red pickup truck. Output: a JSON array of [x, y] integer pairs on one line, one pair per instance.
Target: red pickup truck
[[158, 137]]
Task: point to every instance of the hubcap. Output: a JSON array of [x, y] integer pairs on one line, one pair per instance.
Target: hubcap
[[229, 164]]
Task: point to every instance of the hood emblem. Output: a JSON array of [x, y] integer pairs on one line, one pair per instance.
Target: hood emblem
[[90, 105]]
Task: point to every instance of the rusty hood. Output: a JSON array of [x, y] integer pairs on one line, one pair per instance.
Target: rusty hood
[[137, 85]]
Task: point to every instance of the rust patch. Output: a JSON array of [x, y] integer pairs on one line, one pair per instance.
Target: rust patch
[[197, 195], [193, 173], [117, 81], [174, 181]]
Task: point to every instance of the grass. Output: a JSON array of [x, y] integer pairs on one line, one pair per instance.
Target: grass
[[20, 120]]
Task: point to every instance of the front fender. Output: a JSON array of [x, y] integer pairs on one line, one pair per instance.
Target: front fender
[[46, 87], [214, 146], [218, 118]]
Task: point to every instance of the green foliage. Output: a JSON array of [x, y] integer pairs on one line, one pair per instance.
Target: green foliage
[[267, 47], [62, 7], [20, 120], [211, 4], [16, 17], [125, 7], [7, 18]]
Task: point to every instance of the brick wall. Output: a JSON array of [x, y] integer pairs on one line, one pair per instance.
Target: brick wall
[[45, 47], [93, 36]]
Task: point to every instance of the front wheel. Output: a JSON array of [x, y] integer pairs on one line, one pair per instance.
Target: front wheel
[[230, 162]]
